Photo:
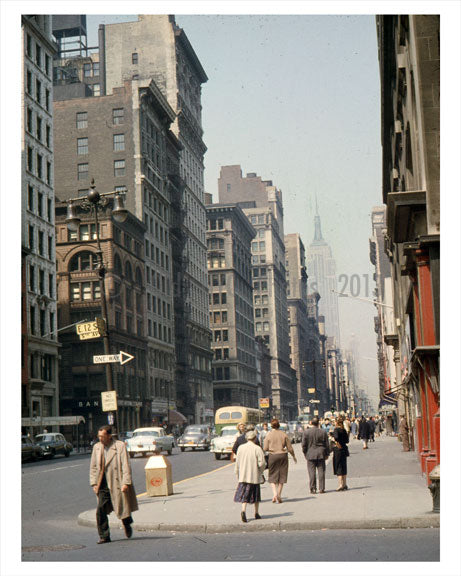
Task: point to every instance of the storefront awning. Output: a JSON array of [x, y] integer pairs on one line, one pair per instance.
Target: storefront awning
[[176, 417]]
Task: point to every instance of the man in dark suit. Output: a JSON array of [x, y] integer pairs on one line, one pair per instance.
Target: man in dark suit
[[316, 448]]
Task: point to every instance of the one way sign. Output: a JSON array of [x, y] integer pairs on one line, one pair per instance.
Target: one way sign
[[123, 358]]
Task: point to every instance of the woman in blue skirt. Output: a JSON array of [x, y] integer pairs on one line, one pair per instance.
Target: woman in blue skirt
[[249, 466]]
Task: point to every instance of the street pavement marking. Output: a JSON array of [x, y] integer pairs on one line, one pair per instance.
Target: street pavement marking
[[53, 469], [193, 477]]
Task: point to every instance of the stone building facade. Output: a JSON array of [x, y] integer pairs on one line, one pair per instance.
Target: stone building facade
[[79, 300], [262, 204], [229, 236], [409, 58], [40, 382]]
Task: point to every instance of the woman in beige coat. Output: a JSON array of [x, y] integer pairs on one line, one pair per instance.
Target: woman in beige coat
[[110, 477], [249, 466]]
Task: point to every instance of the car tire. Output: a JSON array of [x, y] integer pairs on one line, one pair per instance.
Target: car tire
[[182, 448], [217, 456]]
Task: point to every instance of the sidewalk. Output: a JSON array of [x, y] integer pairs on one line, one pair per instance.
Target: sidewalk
[[386, 490]]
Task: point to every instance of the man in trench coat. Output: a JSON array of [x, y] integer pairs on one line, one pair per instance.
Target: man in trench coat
[[316, 448], [110, 477]]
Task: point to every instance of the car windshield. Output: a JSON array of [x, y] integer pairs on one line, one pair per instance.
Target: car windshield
[[44, 438], [228, 432], [195, 430], [145, 433]]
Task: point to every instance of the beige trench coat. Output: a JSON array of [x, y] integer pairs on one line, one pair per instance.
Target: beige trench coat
[[118, 473], [250, 463]]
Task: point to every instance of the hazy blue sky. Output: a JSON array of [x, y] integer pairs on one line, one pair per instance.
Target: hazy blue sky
[[295, 98]]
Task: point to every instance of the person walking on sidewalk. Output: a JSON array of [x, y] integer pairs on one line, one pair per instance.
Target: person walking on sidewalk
[[340, 454], [372, 425], [354, 428], [364, 432], [278, 445], [110, 477], [249, 466], [316, 448], [403, 433]]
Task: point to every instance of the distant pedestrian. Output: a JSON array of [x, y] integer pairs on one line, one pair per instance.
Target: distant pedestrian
[[364, 432], [241, 427], [278, 445], [340, 454], [389, 426], [110, 477], [327, 425], [403, 433], [354, 428], [372, 425], [316, 448], [262, 436], [249, 467]]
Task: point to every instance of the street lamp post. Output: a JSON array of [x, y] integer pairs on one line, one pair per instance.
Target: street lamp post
[[93, 202]]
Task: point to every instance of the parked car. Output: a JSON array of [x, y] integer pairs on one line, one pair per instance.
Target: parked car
[[53, 443], [30, 450], [288, 432], [297, 429], [124, 436], [222, 444], [195, 436], [151, 439]]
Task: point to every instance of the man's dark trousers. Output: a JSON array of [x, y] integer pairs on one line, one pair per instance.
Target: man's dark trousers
[[312, 466], [104, 509]]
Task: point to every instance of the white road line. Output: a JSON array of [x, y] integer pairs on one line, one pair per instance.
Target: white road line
[[53, 469]]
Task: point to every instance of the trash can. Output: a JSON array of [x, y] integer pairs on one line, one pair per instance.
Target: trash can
[[158, 476], [434, 487]]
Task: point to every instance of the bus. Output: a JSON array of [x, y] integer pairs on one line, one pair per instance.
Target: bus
[[232, 415]]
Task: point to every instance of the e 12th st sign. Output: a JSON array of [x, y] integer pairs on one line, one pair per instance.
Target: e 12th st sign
[[123, 358]]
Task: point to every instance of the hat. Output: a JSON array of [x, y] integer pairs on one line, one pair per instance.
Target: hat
[[251, 435]]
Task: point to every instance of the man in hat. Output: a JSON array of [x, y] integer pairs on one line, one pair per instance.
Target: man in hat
[[110, 477]]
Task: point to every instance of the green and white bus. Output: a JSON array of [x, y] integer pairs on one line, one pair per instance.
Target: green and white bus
[[232, 415]]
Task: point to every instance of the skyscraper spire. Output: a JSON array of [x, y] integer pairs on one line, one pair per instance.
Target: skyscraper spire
[[318, 229]]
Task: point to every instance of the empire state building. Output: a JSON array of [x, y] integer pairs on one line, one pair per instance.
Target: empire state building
[[321, 270]]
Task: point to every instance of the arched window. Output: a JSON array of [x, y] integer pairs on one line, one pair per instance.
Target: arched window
[[83, 261], [128, 271]]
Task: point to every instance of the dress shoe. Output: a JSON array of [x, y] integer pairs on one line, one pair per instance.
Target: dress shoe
[[279, 499], [345, 488], [257, 516], [321, 491], [244, 517], [103, 541], [128, 530], [313, 491]]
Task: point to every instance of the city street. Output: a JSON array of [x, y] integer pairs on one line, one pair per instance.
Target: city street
[[56, 492]]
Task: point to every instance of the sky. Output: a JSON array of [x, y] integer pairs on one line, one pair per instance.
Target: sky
[[296, 99]]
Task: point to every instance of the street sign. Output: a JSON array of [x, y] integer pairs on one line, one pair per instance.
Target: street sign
[[88, 330], [123, 358], [311, 390], [264, 402], [314, 401], [109, 401], [110, 419]]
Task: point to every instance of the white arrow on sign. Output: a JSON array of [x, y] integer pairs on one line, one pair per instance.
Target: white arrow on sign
[[314, 401], [123, 358]]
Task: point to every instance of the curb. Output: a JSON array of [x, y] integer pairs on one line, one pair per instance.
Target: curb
[[431, 520]]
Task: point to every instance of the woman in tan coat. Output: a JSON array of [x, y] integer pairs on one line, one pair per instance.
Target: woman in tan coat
[[278, 445], [110, 477]]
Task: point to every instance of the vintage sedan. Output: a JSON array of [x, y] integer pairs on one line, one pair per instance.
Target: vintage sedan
[[222, 444], [195, 436], [151, 439], [53, 443], [30, 450]]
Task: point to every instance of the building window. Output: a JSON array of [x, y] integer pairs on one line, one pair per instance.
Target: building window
[[32, 278], [42, 323], [41, 282], [31, 237], [28, 45], [30, 159], [80, 291], [48, 136], [47, 65], [47, 100], [41, 247], [29, 120], [95, 68], [118, 116], [40, 204], [39, 166], [38, 131], [119, 168], [32, 322], [48, 173], [38, 91], [82, 171], [82, 120], [83, 261], [38, 55], [96, 89], [87, 70], [50, 285], [29, 82], [134, 58], [30, 204], [87, 232], [119, 142], [82, 146]]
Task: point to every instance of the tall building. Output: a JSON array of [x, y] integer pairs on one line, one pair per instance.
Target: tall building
[[122, 115], [409, 58], [296, 275], [155, 48], [262, 204], [229, 236], [321, 270], [40, 382]]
